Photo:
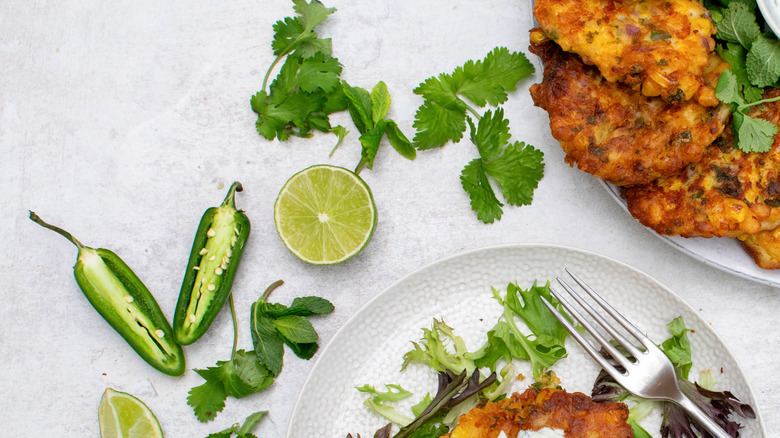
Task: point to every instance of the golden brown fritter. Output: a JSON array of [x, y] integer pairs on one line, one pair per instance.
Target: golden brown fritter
[[764, 247], [616, 133], [660, 47], [575, 413], [728, 193]]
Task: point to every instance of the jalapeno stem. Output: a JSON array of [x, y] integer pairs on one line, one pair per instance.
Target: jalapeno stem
[[35, 218], [230, 198]]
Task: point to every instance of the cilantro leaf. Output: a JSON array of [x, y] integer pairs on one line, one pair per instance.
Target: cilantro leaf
[[489, 80], [483, 200], [209, 398], [295, 33], [518, 171], [727, 90], [738, 25], [437, 125], [237, 378], [441, 117], [763, 62], [734, 55], [754, 134], [491, 134]]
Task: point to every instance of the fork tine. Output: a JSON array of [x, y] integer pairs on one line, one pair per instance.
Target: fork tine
[[609, 328], [625, 323], [586, 345], [598, 337]]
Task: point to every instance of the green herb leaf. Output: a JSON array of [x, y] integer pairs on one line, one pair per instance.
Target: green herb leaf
[[678, 347], [754, 134], [380, 102], [399, 141], [738, 25], [298, 32], [296, 329], [359, 106], [237, 378], [438, 124], [241, 431], [763, 62], [379, 399], [483, 200], [370, 143], [274, 325], [269, 346], [518, 171]]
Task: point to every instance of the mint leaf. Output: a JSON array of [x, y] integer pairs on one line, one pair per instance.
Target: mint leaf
[[274, 325], [359, 106], [370, 143], [738, 25], [269, 346], [380, 102], [763, 62], [399, 141], [734, 55], [296, 329]]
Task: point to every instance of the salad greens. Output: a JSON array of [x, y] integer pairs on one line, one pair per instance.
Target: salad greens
[[754, 59], [460, 378], [676, 422], [517, 168], [543, 345]]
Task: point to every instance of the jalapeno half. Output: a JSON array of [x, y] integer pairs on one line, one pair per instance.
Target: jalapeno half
[[214, 258], [125, 303]]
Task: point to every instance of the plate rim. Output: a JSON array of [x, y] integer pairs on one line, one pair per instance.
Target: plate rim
[[673, 241], [518, 245]]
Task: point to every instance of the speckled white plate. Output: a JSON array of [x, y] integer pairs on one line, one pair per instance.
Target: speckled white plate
[[368, 349], [770, 10], [722, 253]]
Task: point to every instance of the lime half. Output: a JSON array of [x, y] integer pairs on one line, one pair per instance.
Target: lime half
[[123, 416], [325, 214]]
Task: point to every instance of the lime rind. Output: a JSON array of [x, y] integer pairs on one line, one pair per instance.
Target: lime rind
[[122, 415], [325, 214]]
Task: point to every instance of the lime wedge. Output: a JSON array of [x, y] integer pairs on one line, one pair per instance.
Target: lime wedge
[[123, 416], [325, 214]]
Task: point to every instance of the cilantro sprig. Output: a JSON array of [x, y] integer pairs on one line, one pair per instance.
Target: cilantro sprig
[[754, 59], [447, 110], [241, 430], [309, 88]]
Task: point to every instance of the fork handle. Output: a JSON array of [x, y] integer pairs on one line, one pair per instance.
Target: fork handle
[[700, 417]]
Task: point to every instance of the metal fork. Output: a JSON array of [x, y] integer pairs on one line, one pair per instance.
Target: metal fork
[[649, 375]]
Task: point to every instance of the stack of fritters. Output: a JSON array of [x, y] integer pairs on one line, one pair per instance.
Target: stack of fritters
[[631, 100]]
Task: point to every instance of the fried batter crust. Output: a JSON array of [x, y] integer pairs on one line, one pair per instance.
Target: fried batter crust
[[729, 193], [575, 413], [658, 46], [764, 247], [616, 133]]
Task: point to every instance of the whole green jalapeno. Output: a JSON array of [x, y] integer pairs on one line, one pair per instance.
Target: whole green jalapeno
[[216, 252], [125, 303]]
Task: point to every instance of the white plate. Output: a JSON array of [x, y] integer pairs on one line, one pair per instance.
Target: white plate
[[770, 10], [368, 349], [722, 253]]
